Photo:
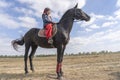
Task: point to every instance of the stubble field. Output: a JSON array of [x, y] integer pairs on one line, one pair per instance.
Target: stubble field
[[84, 67]]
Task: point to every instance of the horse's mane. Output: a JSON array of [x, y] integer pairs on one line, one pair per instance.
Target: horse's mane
[[66, 14]]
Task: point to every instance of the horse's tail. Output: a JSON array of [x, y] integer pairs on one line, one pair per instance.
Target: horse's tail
[[17, 42]]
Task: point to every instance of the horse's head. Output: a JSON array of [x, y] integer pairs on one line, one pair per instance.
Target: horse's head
[[80, 15]]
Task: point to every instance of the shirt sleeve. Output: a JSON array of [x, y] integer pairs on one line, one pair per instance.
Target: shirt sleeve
[[46, 19]]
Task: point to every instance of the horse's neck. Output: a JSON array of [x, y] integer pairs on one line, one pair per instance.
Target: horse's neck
[[67, 24]]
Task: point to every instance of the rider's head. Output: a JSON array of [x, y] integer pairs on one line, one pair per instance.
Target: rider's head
[[47, 11]]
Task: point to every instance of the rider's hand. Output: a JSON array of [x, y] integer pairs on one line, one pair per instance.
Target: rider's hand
[[53, 23]]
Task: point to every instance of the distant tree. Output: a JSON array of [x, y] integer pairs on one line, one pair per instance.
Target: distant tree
[[106, 52], [84, 53], [79, 53], [87, 53], [94, 53]]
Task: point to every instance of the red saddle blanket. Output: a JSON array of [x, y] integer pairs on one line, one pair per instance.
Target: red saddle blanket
[[49, 31]]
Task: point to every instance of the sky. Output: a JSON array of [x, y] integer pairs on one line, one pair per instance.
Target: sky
[[102, 32]]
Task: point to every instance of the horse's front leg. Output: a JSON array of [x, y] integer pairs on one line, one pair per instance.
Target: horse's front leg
[[64, 47], [60, 53]]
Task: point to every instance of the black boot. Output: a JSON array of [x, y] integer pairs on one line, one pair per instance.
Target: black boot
[[50, 41]]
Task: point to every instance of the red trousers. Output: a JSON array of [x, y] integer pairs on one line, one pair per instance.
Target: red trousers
[[48, 30]]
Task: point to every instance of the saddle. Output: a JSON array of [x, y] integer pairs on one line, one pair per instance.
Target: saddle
[[41, 32]]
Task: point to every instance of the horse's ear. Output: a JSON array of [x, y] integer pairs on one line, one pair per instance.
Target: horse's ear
[[76, 5]]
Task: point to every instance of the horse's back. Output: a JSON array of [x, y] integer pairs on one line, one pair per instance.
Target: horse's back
[[34, 30], [31, 33]]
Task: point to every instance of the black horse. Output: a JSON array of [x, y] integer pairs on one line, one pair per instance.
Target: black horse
[[62, 37]]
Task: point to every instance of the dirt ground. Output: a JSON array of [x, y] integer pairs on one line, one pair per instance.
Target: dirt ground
[[84, 67]]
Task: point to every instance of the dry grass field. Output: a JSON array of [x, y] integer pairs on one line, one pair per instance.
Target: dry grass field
[[84, 67]]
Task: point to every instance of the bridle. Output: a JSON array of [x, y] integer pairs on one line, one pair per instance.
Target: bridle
[[75, 20]]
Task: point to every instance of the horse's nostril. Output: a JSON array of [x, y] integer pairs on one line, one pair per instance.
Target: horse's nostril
[[88, 19]]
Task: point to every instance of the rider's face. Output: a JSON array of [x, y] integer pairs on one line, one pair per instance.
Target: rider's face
[[49, 12]]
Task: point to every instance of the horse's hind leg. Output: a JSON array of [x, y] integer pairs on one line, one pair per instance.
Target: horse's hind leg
[[34, 47], [27, 47]]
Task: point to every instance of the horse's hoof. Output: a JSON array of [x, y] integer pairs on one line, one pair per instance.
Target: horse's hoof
[[59, 78], [26, 73], [33, 71], [62, 74]]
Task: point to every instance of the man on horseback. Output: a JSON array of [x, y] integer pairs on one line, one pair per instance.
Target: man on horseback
[[48, 24]]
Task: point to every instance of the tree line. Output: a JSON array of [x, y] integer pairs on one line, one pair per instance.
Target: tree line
[[67, 54]]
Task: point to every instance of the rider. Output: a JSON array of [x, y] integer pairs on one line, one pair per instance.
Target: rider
[[47, 23]]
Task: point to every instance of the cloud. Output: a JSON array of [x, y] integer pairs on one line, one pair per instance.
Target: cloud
[[101, 21], [8, 21], [118, 3], [24, 17], [99, 38], [96, 42], [5, 45], [88, 30], [58, 7], [13, 23], [28, 22], [117, 14], [4, 4], [34, 8], [94, 26], [94, 18], [100, 32], [79, 41], [112, 36], [25, 11], [109, 24], [102, 39], [97, 16], [85, 24]]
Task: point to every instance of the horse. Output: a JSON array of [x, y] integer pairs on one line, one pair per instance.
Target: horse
[[60, 40]]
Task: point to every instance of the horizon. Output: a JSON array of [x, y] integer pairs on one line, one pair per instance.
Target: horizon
[[68, 54]]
